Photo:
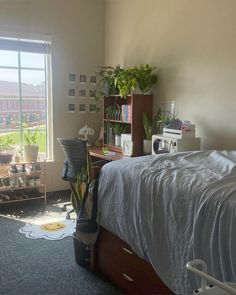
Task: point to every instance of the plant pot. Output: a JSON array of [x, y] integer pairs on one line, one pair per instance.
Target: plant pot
[[147, 147], [118, 140], [6, 158], [31, 153], [81, 252]]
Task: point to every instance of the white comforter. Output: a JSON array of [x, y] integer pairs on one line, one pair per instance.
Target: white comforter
[[172, 208]]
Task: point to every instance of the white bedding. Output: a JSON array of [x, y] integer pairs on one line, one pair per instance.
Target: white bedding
[[172, 208]]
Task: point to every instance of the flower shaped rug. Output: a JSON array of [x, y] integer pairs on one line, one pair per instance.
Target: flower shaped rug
[[56, 230]]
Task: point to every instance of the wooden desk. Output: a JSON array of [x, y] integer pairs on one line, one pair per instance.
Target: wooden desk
[[97, 152]]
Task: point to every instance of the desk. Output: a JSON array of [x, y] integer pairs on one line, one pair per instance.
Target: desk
[[97, 152]]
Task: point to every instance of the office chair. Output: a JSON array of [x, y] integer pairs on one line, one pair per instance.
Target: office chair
[[77, 159]]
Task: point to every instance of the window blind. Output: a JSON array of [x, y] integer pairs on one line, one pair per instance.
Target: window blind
[[25, 45]]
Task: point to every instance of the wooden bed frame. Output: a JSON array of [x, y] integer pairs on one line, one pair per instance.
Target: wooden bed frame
[[113, 258]]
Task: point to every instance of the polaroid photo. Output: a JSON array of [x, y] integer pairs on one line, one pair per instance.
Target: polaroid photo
[[82, 93], [82, 108], [72, 77], [71, 107], [92, 93], [82, 78], [92, 108], [71, 92], [93, 79]]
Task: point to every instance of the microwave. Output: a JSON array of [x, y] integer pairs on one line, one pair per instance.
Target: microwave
[[165, 144]]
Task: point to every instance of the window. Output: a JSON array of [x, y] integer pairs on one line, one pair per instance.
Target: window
[[25, 92]]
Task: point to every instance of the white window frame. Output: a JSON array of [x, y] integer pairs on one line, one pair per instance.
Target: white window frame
[[34, 44]]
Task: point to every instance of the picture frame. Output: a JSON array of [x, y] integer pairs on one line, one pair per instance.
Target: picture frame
[[92, 108], [82, 93], [72, 77], [71, 92], [92, 93], [71, 107], [93, 79], [82, 108], [82, 78]]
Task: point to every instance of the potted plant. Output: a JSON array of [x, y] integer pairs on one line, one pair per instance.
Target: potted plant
[[126, 81], [145, 77], [77, 170], [106, 81], [6, 149], [31, 146], [118, 130], [150, 127]]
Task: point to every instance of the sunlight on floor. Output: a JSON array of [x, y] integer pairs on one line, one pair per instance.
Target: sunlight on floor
[[38, 215]]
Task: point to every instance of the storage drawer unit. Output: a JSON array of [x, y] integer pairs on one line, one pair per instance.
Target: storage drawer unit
[[119, 264]]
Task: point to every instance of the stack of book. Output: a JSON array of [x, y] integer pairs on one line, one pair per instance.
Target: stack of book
[[126, 113]]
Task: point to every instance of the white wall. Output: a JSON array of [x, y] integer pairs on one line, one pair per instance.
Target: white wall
[[77, 31], [194, 46]]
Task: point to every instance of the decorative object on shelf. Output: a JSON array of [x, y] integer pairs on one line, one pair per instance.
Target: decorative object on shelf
[[56, 230], [31, 146], [127, 148], [85, 131], [6, 149]]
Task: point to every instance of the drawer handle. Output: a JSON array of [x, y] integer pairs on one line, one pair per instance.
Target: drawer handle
[[128, 251], [127, 277]]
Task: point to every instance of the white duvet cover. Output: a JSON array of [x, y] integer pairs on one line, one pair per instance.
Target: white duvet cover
[[172, 208]]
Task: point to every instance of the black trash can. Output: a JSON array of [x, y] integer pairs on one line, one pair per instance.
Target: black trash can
[[82, 252]]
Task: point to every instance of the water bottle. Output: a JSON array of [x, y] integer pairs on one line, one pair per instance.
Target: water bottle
[[22, 176], [14, 177]]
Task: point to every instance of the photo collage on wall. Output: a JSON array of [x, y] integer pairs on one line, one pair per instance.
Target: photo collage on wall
[[82, 92]]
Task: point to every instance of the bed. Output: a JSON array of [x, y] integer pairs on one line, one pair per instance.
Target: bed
[[167, 210]]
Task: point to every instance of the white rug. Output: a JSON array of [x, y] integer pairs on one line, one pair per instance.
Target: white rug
[[55, 230]]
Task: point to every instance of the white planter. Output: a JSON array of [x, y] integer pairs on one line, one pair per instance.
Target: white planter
[[31, 153], [147, 147], [117, 140]]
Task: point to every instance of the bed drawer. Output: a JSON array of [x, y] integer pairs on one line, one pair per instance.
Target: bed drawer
[[132, 274]]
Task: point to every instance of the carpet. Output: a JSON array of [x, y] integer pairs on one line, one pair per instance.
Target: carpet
[[40, 266], [55, 230]]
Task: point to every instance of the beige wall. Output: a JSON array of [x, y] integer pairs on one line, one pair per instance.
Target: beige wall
[[193, 44], [77, 31]]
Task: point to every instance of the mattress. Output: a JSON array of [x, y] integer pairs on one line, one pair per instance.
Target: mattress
[[172, 208]]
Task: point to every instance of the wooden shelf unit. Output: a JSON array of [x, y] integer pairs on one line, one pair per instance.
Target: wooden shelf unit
[[23, 193], [138, 103]]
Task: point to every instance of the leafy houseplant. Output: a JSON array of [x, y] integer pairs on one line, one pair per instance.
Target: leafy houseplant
[[31, 147], [116, 80], [6, 150], [145, 77], [150, 127], [140, 76], [126, 82], [106, 81], [118, 130]]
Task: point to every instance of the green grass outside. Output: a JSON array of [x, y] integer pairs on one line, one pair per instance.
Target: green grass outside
[[40, 138]]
